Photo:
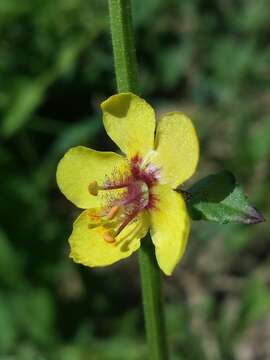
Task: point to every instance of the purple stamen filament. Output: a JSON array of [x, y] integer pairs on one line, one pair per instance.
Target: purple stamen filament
[[137, 197]]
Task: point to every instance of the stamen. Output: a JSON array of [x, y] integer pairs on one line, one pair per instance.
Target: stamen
[[127, 220], [114, 186], [135, 195], [112, 213], [94, 215], [93, 188], [108, 237]]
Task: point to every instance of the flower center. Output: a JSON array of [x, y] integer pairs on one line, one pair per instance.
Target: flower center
[[134, 196]]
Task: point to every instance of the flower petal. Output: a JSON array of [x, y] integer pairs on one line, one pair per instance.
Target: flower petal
[[80, 166], [177, 148], [169, 228], [130, 122], [89, 248]]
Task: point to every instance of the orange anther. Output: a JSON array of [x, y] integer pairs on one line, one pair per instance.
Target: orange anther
[[114, 210], [93, 188], [94, 215], [108, 237]]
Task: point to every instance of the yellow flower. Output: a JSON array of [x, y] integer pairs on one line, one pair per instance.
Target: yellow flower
[[124, 196]]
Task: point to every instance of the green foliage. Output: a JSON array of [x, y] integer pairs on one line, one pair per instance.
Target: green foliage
[[208, 59], [219, 198]]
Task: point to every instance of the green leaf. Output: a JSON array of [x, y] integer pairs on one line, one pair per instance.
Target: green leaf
[[219, 198]]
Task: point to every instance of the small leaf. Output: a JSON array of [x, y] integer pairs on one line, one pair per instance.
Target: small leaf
[[219, 198]]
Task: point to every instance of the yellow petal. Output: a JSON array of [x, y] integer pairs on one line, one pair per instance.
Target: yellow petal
[[177, 148], [169, 228], [89, 248], [81, 166], [130, 123]]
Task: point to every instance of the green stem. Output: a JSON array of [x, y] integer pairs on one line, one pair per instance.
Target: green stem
[[127, 80], [152, 301], [123, 46]]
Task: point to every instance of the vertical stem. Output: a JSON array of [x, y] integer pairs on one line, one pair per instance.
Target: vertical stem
[[153, 301], [123, 46], [127, 80]]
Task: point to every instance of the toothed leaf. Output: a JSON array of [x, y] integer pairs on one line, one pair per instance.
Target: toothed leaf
[[219, 198]]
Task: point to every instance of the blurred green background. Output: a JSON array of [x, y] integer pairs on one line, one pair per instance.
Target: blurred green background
[[207, 58]]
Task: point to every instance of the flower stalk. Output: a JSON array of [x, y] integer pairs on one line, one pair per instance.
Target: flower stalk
[[127, 80]]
